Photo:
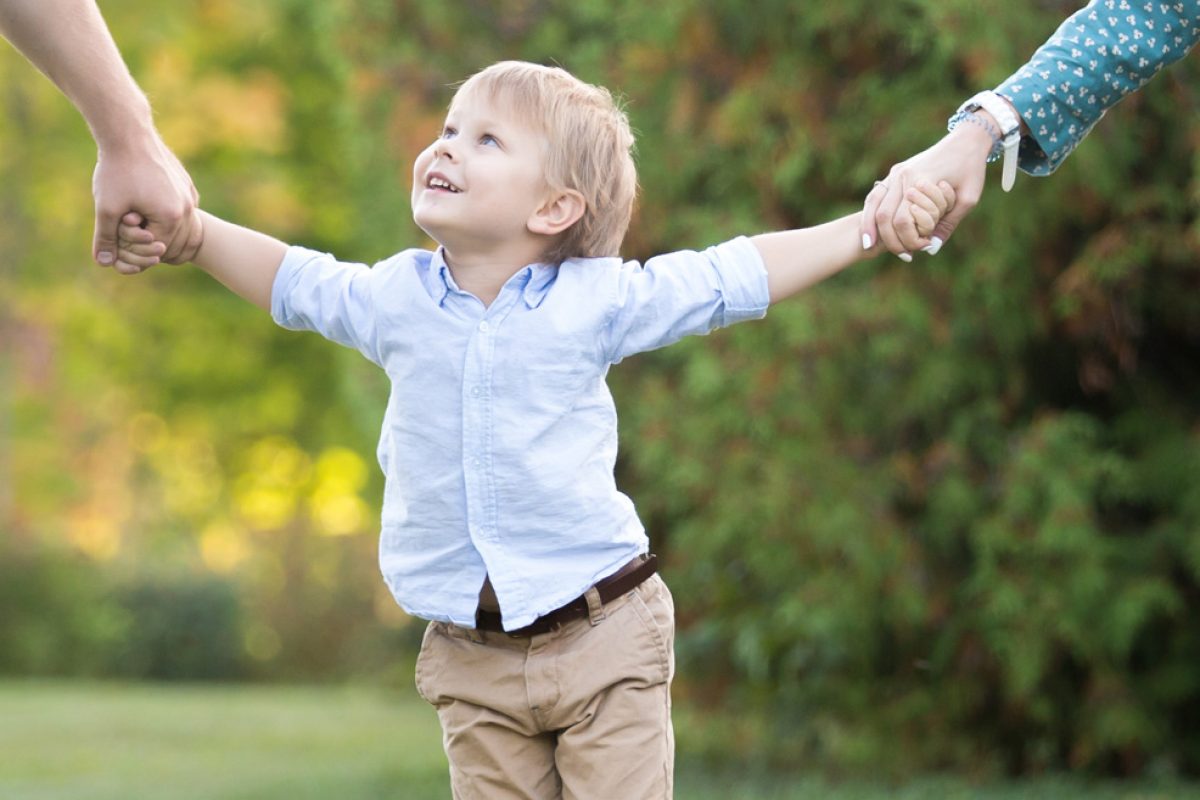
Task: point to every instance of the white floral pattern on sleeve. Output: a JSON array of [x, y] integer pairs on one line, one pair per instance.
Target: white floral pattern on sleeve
[[1098, 55]]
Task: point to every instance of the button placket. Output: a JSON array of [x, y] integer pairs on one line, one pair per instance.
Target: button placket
[[475, 427], [478, 415]]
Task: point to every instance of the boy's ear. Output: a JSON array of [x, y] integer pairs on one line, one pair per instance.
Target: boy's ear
[[560, 211]]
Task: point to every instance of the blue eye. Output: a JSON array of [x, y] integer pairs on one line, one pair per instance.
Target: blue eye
[[448, 133], [487, 138]]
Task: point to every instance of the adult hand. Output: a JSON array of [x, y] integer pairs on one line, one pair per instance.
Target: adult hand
[[144, 176], [960, 159]]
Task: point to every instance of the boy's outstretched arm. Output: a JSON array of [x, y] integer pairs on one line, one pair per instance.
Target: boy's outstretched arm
[[797, 259], [245, 261]]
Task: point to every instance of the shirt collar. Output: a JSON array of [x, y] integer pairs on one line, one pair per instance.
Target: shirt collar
[[540, 277], [437, 279], [533, 281]]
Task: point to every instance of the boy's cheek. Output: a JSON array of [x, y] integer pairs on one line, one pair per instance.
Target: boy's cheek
[[420, 166]]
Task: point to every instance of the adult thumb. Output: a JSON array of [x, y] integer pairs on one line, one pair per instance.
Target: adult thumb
[[104, 240], [866, 223]]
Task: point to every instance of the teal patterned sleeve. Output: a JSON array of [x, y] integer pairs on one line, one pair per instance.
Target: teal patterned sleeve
[[1098, 55]]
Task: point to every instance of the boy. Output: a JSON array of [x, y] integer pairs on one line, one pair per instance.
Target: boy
[[549, 651]]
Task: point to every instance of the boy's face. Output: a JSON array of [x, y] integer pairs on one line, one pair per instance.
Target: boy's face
[[479, 183]]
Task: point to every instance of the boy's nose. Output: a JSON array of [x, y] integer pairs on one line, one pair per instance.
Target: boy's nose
[[443, 149]]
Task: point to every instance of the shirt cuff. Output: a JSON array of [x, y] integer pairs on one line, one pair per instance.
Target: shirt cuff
[[1049, 140], [743, 277]]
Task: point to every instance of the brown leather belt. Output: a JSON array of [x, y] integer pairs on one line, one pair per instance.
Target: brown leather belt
[[609, 589]]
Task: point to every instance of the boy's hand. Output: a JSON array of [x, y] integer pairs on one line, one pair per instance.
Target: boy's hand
[[137, 248], [927, 205]]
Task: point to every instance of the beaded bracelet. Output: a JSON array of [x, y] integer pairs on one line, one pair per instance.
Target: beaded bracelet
[[970, 116]]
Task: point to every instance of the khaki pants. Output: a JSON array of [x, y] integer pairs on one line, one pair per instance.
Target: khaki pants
[[580, 713]]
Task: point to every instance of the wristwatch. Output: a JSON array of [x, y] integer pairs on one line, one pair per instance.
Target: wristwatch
[[1010, 131]]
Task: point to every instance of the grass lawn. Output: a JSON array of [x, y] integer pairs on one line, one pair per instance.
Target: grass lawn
[[88, 741]]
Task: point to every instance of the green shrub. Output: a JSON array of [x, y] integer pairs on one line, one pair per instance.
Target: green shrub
[[54, 616], [179, 628]]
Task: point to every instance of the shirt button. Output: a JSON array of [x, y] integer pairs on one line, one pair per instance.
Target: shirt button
[[474, 391], [475, 462], [483, 326]]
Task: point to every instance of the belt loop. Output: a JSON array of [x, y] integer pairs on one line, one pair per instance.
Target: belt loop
[[595, 606]]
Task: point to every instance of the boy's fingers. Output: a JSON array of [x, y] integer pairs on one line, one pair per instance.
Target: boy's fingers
[[132, 233], [924, 221], [130, 264], [922, 200], [963, 205], [153, 250], [139, 256], [949, 193], [934, 196]]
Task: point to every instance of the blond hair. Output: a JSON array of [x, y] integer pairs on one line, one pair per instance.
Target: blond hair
[[590, 148]]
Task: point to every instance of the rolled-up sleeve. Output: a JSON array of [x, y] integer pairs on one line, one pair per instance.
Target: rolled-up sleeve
[[315, 292], [685, 293]]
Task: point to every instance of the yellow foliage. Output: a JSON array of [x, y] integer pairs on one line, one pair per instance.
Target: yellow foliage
[[339, 514], [277, 460], [198, 113], [94, 532], [336, 507], [95, 524], [267, 494], [223, 547], [147, 432], [270, 205], [191, 474], [265, 508], [343, 468]]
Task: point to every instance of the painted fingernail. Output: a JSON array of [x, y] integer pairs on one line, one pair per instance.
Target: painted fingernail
[[866, 241], [935, 244], [905, 257]]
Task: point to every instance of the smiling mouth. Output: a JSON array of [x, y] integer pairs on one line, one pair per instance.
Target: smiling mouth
[[436, 182]]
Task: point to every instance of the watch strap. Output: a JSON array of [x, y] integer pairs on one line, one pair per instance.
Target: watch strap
[[1010, 131]]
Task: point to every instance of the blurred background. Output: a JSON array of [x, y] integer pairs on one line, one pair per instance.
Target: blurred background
[[931, 517]]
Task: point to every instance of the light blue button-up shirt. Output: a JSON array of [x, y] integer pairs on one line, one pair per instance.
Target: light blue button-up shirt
[[500, 434]]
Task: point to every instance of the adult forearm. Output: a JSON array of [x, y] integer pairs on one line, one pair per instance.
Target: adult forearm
[[69, 42]]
